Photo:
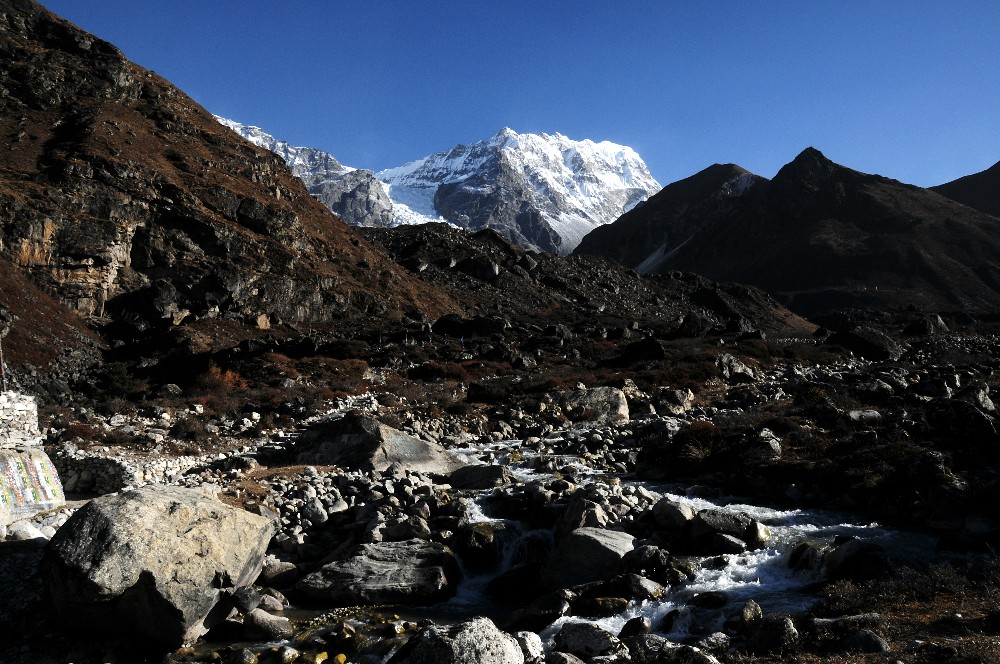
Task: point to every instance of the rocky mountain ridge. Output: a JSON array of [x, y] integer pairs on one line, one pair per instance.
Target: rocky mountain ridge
[[355, 195], [674, 216], [819, 236]]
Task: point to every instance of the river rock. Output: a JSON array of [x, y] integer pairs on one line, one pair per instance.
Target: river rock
[[582, 513], [410, 572], [868, 343], [531, 647], [556, 657], [587, 640], [246, 599], [672, 515], [261, 625], [657, 564], [480, 476], [360, 442], [636, 627], [856, 560], [278, 573], [709, 523], [543, 611], [152, 562], [481, 545], [771, 635], [865, 640], [20, 531], [597, 404], [734, 370], [722, 543], [587, 554], [477, 641]]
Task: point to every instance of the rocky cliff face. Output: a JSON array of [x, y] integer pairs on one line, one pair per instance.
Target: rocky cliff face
[[124, 198], [542, 192], [820, 236], [355, 195]]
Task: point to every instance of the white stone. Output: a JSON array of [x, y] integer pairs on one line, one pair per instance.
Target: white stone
[[23, 530]]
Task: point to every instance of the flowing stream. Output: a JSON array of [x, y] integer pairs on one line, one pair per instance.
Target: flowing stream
[[762, 575]]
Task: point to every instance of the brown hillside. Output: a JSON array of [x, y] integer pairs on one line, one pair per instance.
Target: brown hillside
[[123, 197]]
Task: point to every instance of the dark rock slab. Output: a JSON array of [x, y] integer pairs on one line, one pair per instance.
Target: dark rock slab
[[410, 572]]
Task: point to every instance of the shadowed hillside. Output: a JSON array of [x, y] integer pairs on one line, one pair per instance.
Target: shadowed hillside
[[820, 236]]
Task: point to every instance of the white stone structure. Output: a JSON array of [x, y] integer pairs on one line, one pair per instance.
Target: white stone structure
[[29, 482]]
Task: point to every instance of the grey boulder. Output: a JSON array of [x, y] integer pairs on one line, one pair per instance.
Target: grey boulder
[[588, 554], [152, 562], [586, 640], [597, 404], [360, 442], [409, 572], [259, 624], [477, 641]]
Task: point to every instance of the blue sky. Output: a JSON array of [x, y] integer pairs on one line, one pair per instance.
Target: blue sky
[[910, 90]]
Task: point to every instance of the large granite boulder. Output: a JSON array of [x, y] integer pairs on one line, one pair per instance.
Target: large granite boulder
[[360, 442], [152, 562], [476, 641], [411, 572], [587, 554]]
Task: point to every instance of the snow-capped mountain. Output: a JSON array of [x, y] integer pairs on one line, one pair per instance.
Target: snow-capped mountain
[[355, 195], [541, 191]]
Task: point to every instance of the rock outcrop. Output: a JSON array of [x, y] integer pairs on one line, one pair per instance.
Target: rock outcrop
[[152, 562]]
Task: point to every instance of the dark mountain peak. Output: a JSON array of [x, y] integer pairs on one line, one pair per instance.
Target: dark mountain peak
[[722, 171], [718, 179], [811, 166]]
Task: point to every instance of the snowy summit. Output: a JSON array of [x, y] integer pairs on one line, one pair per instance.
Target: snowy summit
[[539, 190]]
